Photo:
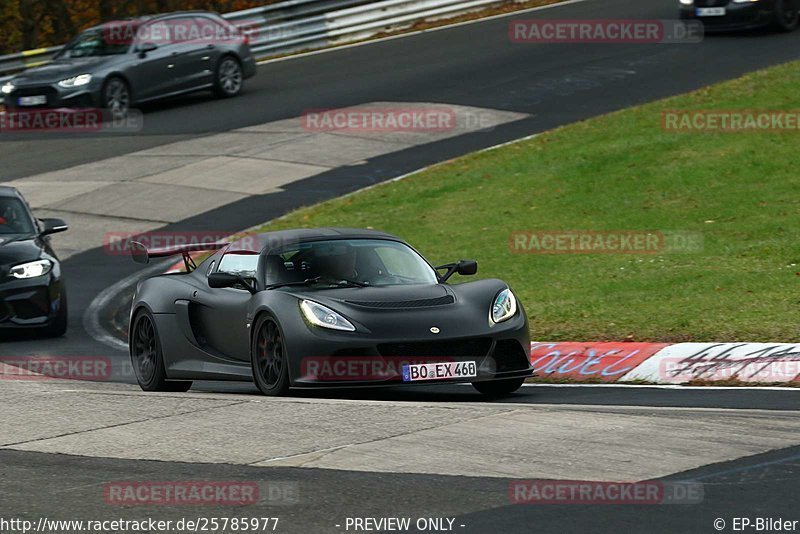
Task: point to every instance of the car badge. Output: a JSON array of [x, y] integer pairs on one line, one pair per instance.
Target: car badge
[[435, 330]]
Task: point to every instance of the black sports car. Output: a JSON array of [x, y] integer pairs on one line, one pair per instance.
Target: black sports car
[[742, 14], [118, 64], [32, 292], [324, 307]]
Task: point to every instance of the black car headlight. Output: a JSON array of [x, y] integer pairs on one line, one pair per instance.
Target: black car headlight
[[7, 88], [31, 269], [76, 81], [504, 306], [320, 315]]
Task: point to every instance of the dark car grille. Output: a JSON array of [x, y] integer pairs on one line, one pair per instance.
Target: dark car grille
[[49, 92], [25, 304], [458, 348], [419, 303], [711, 3], [509, 355]]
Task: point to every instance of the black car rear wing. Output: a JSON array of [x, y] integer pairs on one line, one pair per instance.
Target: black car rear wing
[[141, 254]]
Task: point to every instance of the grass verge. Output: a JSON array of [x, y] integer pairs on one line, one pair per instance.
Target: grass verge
[[620, 172]]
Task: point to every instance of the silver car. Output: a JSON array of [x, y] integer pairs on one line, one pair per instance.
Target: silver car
[[122, 63]]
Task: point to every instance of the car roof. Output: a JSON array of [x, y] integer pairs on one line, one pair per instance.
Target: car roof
[[278, 239], [8, 191], [137, 21]]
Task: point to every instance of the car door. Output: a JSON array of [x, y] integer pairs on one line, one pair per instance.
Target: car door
[[153, 70], [221, 314], [195, 39]]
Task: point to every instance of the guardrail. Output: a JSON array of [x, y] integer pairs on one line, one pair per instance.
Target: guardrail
[[295, 25]]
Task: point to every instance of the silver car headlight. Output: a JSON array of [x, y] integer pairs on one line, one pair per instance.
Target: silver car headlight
[[31, 269], [504, 307], [320, 315], [7, 88], [76, 81]]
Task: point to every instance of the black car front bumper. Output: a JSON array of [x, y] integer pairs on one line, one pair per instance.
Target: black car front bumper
[[31, 303], [738, 16], [329, 359]]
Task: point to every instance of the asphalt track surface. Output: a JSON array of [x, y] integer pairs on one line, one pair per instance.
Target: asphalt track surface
[[759, 486], [472, 65]]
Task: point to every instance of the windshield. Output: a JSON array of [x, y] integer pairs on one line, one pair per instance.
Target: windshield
[[373, 262], [99, 42], [14, 218]]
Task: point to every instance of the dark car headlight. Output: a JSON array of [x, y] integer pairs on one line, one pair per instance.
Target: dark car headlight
[[76, 81], [7, 88], [320, 315], [504, 306], [32, 269]]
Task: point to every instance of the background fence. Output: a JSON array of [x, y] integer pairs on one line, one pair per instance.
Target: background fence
[[295, 25]]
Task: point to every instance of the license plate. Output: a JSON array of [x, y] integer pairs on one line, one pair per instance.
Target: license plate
[[710, 11], [36, 100], [439, 371]]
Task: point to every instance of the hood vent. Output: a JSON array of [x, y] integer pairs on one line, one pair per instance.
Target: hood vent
[[419, 303]]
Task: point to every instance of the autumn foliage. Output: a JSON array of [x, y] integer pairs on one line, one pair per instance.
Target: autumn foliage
[[28, 24]]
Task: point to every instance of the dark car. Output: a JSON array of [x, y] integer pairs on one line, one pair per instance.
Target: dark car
[[32, 292], [119, 64], [722, 15], [324, 307]]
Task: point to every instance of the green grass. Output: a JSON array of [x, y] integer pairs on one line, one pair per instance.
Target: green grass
[[621, 171]]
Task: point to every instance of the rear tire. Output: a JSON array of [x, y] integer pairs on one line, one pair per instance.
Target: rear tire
[[268, 358], [787, 17], [228, 77], [147, 358], [495, 389]]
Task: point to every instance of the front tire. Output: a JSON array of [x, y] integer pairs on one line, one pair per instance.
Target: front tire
[[495, 389], [268, 358], [787, 17], [147, 358], [59, 325], [116, 97], [228, 77]]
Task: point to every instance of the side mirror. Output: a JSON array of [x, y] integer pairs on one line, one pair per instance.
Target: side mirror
[[53, 226], [220, 280], [463, 267], [144, 48], [467, 267]]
